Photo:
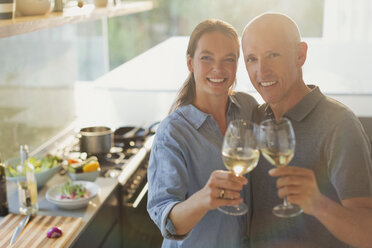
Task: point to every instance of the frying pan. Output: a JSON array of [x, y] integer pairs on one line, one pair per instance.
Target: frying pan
[[127, 136]]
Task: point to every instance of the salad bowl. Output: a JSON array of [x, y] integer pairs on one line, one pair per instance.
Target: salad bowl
[[45, 168], [60, 196]]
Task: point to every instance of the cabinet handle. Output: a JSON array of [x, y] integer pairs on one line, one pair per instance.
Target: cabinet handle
[[140, 196]]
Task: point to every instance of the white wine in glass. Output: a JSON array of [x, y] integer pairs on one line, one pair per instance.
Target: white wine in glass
[[277, 143], [278, 159], [240, 155], [240, 161]]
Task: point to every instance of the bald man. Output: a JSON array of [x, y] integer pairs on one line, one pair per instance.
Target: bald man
[[330, 174]]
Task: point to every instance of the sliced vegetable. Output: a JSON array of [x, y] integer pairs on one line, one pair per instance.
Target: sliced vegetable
[[54, 232], [92, 166], [73, 191], [73, 161], [78, 166]]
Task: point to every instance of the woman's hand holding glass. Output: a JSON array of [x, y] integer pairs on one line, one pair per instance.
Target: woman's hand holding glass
[[240, 155], [222, 188]]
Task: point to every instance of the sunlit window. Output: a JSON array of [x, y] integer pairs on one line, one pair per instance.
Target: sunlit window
[[45, 75]]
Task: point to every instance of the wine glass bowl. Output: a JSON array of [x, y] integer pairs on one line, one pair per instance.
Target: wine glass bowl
[[240, 161], [240, 155], [277, 143]]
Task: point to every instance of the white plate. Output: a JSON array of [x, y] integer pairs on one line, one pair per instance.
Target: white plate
[[53, 195]]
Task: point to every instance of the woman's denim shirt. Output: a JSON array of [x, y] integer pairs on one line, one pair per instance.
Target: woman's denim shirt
[[186, 150]]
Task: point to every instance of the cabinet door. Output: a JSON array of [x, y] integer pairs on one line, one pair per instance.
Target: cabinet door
[[100, 227], [113, 240]]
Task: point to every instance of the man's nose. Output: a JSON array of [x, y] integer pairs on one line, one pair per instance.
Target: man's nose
[[262, 67]]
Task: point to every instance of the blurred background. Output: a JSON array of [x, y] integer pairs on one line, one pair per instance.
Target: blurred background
[[47, 75]]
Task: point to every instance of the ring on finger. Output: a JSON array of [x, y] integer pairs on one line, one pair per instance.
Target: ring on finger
[[222, 193]]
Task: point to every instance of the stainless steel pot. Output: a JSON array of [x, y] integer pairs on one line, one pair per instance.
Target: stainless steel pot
[[96, 140]]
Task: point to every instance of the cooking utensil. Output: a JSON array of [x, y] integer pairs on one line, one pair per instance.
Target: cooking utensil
[[96, 140], [129, 135], [34, 234], [19, 228]]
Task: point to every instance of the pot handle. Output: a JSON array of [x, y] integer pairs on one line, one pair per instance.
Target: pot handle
[[131, 133], [152, 127]]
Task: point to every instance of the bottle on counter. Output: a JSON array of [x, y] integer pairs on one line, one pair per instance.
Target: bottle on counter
[[3, 195], [27, 187]]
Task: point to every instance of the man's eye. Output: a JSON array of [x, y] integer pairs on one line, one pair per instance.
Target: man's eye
[[273, 55], [230, 60], [205, 58]]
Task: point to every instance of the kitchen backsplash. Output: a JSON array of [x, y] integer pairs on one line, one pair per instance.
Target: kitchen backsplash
[[37, 76]]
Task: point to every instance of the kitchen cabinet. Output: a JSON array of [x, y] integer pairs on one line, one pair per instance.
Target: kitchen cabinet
[[114, 238], [103, 230], [88, 12]]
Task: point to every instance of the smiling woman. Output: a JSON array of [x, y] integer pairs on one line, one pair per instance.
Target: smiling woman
[[185, 175]]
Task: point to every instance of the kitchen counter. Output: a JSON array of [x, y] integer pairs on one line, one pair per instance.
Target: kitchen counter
[[107, 188]]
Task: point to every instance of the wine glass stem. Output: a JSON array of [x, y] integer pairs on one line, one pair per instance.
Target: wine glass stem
[[285, 202], [237, 206]]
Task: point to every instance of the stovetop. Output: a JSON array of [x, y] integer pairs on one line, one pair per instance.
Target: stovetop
[[113, 163]]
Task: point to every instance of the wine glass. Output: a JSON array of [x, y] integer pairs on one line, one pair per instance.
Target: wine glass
[[240, 155], [277, 144]]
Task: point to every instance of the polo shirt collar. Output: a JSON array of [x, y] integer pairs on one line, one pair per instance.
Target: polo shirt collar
[[304, 107], [196, 117]]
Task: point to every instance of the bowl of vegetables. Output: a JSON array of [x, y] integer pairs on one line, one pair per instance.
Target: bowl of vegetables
[[86, 170], [72, 194], [45, 168]]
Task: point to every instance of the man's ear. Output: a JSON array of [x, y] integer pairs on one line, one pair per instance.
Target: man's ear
[[301, 53], [189, 63]]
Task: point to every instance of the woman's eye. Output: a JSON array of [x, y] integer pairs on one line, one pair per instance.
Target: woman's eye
[[250, 59]]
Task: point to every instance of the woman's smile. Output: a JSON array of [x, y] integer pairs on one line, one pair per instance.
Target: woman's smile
[[216, 81]]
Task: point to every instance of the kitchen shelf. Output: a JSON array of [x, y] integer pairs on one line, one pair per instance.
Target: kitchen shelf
[[70, 15]]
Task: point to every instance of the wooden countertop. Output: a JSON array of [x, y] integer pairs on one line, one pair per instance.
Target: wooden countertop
[[107, 186]]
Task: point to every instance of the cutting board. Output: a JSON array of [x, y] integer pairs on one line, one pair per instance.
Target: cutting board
[[35, 232]]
